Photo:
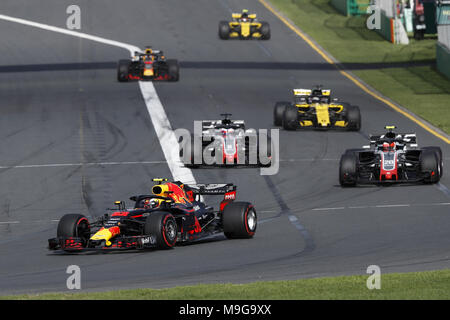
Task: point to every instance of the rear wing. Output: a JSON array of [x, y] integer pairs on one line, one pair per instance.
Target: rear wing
[[239, 15], [213, 189], [308, 92], [213, 124], [302, 92], [407, 138]]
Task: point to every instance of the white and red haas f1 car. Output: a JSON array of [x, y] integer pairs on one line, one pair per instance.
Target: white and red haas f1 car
[[391, 158], [227, 142]]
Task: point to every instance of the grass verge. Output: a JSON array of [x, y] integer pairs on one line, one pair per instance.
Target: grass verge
[[427, 285], [404, 73]]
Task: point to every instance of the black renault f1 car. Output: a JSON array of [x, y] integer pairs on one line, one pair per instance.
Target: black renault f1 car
[[314, 108], [172, 214], [150, 65], [391, 158], [226, 142]]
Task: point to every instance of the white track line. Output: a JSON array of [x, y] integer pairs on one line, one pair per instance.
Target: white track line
[[167, 138], [47, 27]]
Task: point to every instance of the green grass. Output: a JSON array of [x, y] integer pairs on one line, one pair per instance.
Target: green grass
[[411, 286], [421, 89]]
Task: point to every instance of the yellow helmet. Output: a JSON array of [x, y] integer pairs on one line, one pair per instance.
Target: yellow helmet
[[148, 51]]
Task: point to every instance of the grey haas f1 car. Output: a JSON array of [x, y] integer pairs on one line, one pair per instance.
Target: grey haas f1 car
[[171, 215], [391, 158], [150, 65], [226, 142]]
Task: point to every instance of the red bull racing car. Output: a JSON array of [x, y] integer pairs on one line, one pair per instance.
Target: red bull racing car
[[391, 158], [172, 214], [150, 65]]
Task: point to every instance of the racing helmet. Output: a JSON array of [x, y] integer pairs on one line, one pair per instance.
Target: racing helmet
[[148, 51], [315, 99], [152, 203], [244, 15], [388, 146]]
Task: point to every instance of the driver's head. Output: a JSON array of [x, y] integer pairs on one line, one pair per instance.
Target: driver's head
[[148, 51], [152, 203], [388, 146], [315, 100]]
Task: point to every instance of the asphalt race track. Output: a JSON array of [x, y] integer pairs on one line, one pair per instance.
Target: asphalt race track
[[73, 140]]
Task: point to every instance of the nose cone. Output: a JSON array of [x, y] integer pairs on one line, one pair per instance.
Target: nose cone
[[106, 234]]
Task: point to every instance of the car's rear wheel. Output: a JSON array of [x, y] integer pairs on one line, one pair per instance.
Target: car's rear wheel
[[348, 170], [74, 225], [163, 227], [290, 118], [353, 118], [265, 31], [239, 220], [174, 70], [224, 30], [429, 166], [278, 112], [123, 70]]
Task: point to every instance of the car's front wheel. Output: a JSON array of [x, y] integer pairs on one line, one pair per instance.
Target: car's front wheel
[[123, 70], [74, 226], [163, 227], [224, 30], [290, 118], [174, 70], [429, 166], [348, 170], [278, 112]]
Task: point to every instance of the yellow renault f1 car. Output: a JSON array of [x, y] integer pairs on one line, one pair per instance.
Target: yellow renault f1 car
[[244, 26], [315, 109]]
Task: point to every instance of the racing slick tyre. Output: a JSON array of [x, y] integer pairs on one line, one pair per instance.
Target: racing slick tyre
[[74, 225], [123, 70], [353, 118], [429, 166], [348, 170], [163, 227], [438, 151], [290, 118], [278, 112], [265, 31], [174, 70], [239, 220], [224, 30]]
